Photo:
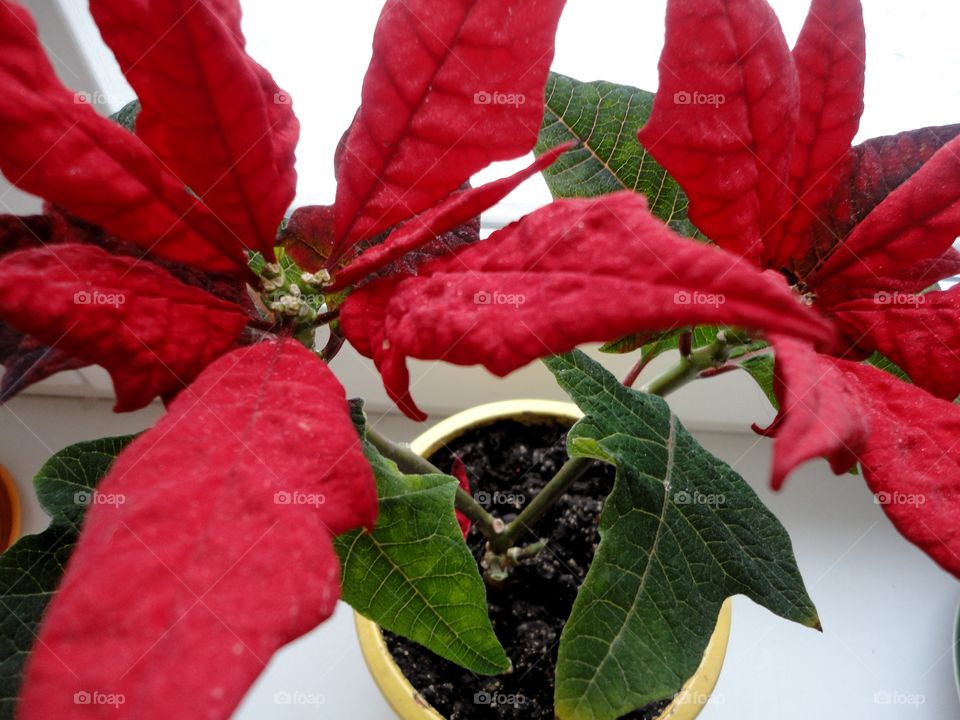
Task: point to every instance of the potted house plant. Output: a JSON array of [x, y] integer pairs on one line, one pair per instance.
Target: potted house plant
[[767, 244]]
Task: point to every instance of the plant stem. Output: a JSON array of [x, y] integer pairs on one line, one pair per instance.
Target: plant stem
[[412, 464], [687, 368], [566, 476]]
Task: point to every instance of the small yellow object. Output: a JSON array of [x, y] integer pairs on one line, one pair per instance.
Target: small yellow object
[[9, 510], [397, 690]]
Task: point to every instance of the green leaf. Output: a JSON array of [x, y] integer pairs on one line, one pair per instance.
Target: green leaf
[[31, 570], [680, 532], [414, 575], [889, 366], [760, 368], [605, 118], [127, 115]]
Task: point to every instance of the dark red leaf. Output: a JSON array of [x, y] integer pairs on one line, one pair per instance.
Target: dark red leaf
[[456, 210], [205, 109], [151, 332], [916, 224], [870, 173], [830, 59], [920, 333], [28, 361], [466, 90], [821, 413], [59, 148], [459, 471], [20, 233], [209, 542], [724, 118], [544, 285]]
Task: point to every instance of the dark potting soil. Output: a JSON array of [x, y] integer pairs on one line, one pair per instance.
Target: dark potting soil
[[507, 464]]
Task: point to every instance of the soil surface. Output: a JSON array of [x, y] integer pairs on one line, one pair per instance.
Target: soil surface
[[507, 464]]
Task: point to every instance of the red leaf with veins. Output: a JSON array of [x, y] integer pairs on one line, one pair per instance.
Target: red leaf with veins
[[821, 413], [830, 57], [456, 210], [543, 285], [205, 109], [308, 236], [220, 551], [424, 126], [731, 157], [152, 333], [62, 150], [920, 333], [905, 440], [915, 224], [912, 462], [871, 172]]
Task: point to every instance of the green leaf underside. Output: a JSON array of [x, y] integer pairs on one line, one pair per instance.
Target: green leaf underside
[[604, 118], [680, 532], [30, 571], [415, 576]]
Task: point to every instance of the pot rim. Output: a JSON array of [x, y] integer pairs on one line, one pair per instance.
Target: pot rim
[[400, 693]]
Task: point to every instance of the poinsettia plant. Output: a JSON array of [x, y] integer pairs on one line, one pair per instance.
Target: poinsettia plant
[[742, 227]]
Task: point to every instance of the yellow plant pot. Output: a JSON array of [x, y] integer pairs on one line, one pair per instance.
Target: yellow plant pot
[[9, 510], [401, 695]]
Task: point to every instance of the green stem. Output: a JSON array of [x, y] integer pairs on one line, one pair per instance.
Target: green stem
[[687, 368], [412, 464]]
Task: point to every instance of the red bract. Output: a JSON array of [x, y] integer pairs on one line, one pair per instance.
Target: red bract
[[246, 566], [466, 90], [153, 333], [865, 232], [205, 110], [60, 149], [523, 293]]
